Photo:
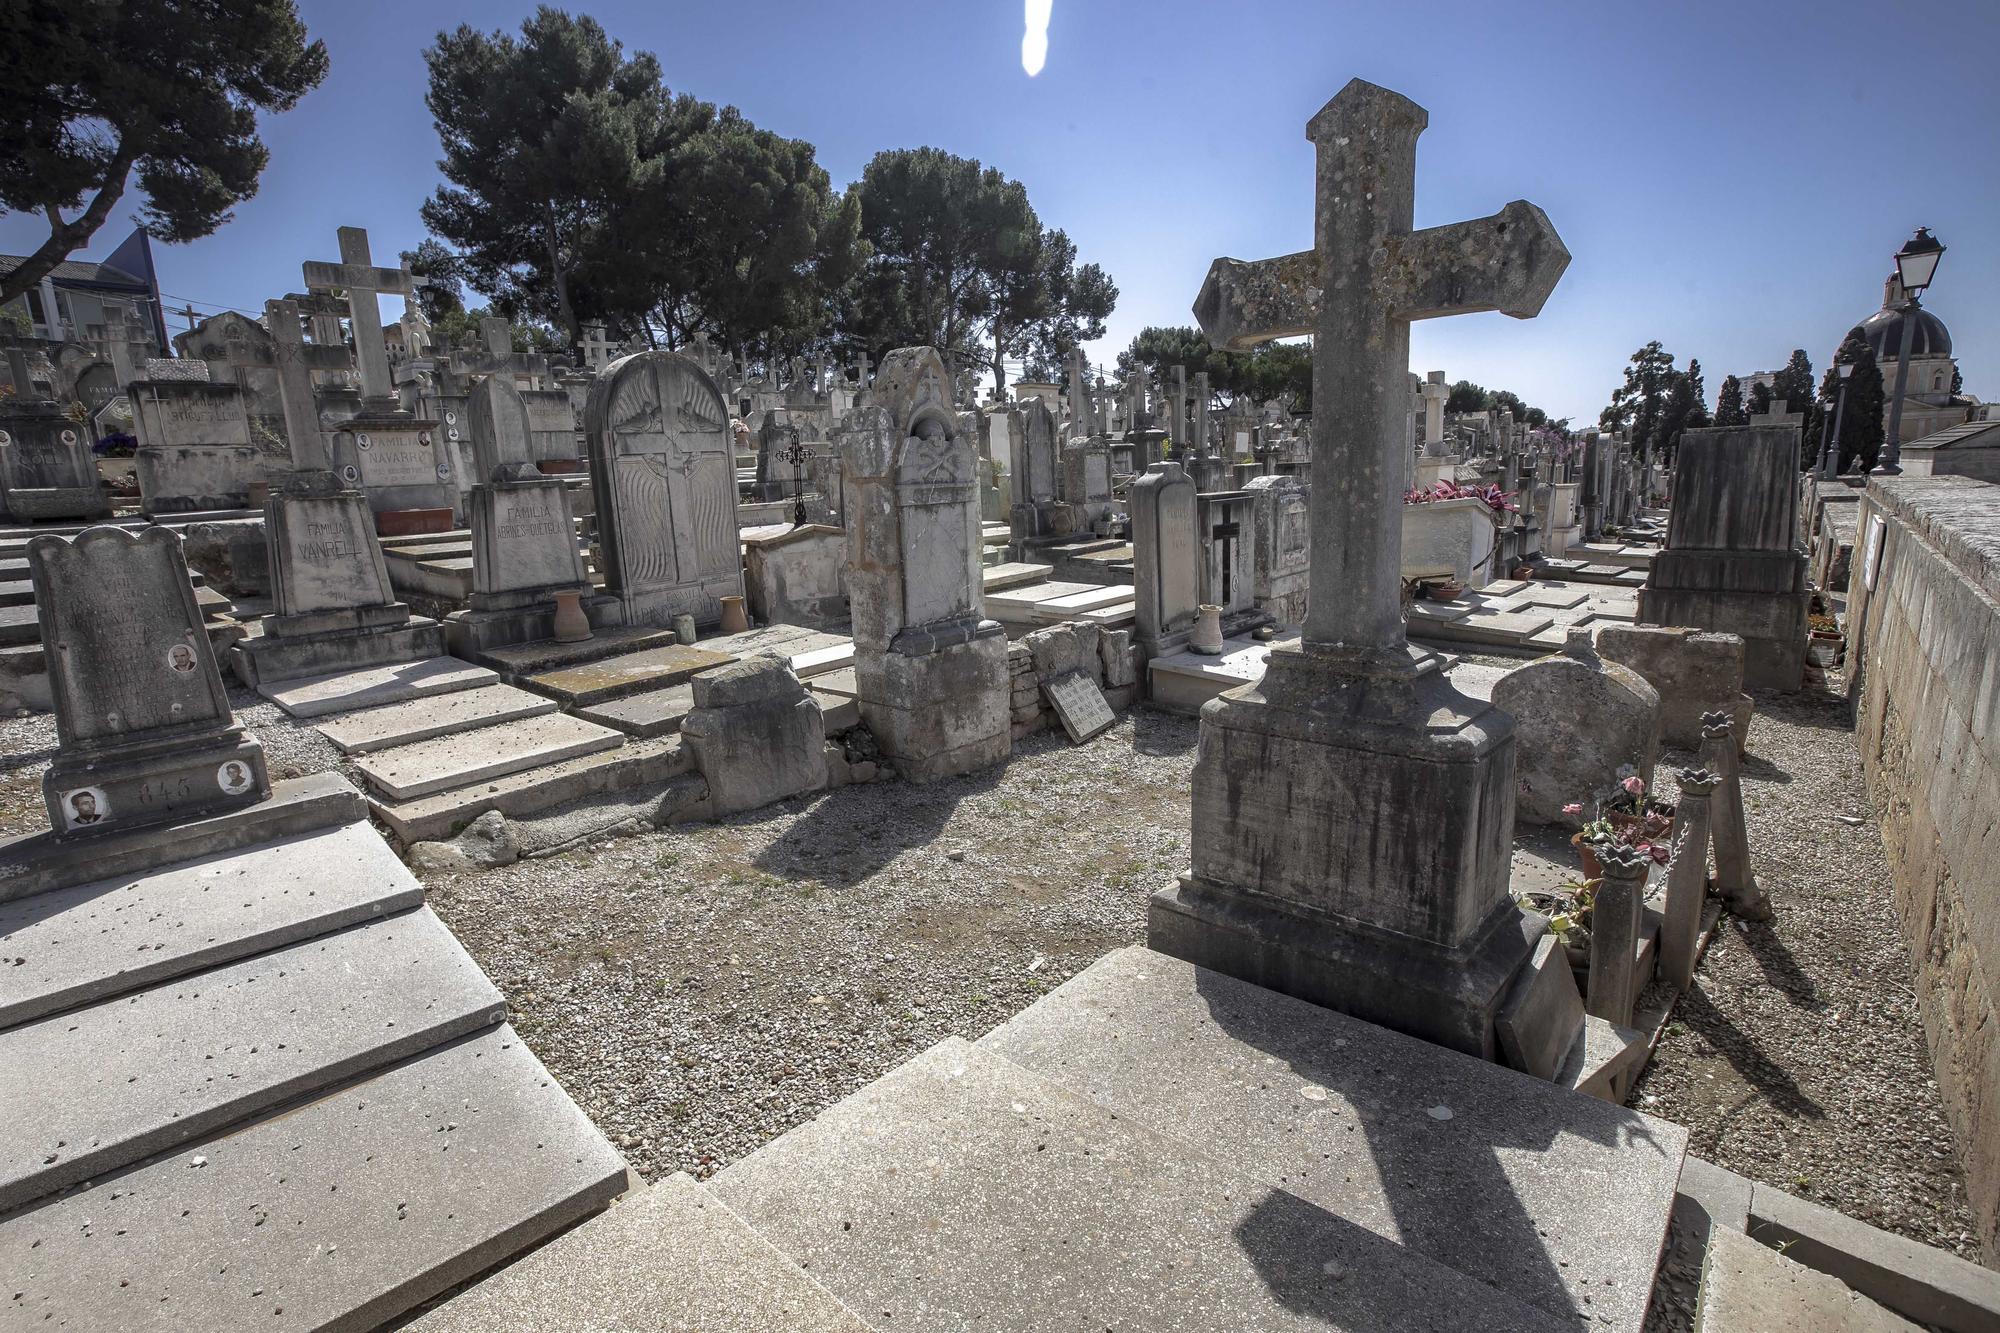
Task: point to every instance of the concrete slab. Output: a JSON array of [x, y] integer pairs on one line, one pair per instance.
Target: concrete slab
[[1031, 595], [1748, 1285], [99, 1088], [19, 624], [1543, 1194], [635, 764], [526, 659], [1013, 574], [962, 1191], [1429, 612], [84, 944], [1543, 1014], [1555, 598], [627, 1271], [1093, 599], [820, 661], [409, 771], [632, 673], [371, 687], [35, 863], [340, 1215], [17, 592], [1602, 1059], [416, 720], [841, 684], [654, 713]]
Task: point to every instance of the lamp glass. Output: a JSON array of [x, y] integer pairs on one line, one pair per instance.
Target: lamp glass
[[1918, 260]]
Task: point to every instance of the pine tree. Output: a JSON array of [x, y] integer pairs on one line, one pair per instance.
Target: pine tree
[[1729, 404], [1760, 399], [1861, 420]]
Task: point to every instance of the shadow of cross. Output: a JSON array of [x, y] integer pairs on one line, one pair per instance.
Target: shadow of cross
[[1368, 275]]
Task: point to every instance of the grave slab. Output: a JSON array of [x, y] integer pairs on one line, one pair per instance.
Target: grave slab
[[1745, 1284], [35, 863], [616, 677], [516, 660], [1601, 1058], [19, 624], [86, 943], [1013, 574], [640, 763], [962, 1191], [371, 687], [1547, 1196], [1538, 1022], [820, 661], [1080, 704], [627, 1270], [422, 719], [341, 1214], [126, 1078], [654, 713], [409, 771]]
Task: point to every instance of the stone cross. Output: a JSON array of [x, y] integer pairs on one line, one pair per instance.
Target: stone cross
[[1368, 275], [1135, 402], [363, 282], [1435, 394], [295, 360], [1201, 399], [1079, 401], [1179, 431]]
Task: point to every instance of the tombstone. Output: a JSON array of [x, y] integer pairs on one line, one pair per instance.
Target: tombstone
[[930, 669], [1732, 561], [1352, 810], [1177, 427], [1078, 400], [1086, 485], [999, 428], [664, 481], [1165, 581], [1142, 431], [197, 447], [1199, 442], [240, 351], [1435, 393], [409, 479], [1226, 532], [597, 348], [97, 386], [294, 362], [1578, 719], [144, 730], [1283, 546], [47, 467], [1037, 514], [524, 546]]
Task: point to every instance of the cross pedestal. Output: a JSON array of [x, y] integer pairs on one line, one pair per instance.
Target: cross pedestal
[[1353, 812]]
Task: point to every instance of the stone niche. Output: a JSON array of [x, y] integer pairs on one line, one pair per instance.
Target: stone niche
[[1732, 562], [930, 669]]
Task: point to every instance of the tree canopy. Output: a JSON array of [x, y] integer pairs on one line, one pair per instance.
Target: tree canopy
[[958, 260], [1729, 403], [169, 89], [1860, 438], [1273, 370], [1658, 400]]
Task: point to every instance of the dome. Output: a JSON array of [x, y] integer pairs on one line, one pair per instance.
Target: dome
[[1884, 332]]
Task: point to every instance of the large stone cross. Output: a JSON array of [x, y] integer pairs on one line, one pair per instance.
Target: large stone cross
[[1368, 275], [295, 360], [357, 275]]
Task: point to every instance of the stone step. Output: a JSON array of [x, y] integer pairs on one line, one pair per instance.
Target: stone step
[[1746, 1285], [444, 762], [963, 1191], [632, 673], [1027, 598], [638, 763], [1014, 574], [17, 592], [19, 624], [35, 863], [654, 713], [822, 661], [96, 1089], [1550, 1197], [371, 687], [342, 1213], [628, 1270], [93, 941], [423, 719]]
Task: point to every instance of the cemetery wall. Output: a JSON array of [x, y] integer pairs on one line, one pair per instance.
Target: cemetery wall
[[1924, 615]]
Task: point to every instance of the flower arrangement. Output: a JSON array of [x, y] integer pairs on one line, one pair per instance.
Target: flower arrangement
[[1497, 500], [1625, 816]]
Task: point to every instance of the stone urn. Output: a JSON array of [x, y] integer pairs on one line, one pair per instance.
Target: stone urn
[[572, 625], [1207, 631], [734, 618]]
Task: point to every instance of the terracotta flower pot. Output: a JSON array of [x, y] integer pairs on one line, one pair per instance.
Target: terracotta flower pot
[[734, 618], [572, 625], [1592, 867]]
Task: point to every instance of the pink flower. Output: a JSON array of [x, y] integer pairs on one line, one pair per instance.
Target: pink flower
[[1635, 785], [1573, 808]]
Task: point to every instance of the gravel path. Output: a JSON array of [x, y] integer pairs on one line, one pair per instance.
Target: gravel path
[[1799, 1059]]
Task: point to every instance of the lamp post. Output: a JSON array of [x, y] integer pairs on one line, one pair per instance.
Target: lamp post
[[1916, 262], [1829, 457]]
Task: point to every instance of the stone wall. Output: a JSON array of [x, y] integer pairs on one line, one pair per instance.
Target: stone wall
[[1924, 617]]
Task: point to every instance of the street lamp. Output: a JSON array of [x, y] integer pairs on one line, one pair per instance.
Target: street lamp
[[1829, 458], [1916, 263]]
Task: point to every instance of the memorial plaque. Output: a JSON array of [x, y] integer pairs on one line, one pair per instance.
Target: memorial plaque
[[400, 457], [1080, 705]]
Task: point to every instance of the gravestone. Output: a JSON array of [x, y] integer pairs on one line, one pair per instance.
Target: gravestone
[[409, 478], [143, 725], [1080, 704], [47, 468], [524, 546], [1037, 514], [1579, 720], [665, 488], [197, 449], [1165, 580], [1085, 486], [1282, 547], [1733, 562], [1226, 528], [1435, 393], [1352, 810], [930, 669]]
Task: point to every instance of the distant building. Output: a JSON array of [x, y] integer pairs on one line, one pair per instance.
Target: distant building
[[90, 302], [1929, 405]]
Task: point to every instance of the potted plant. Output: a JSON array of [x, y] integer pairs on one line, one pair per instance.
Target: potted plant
[[1568, 910], [1625, 816]]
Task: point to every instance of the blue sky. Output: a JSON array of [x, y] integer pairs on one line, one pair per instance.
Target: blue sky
[[1731, 179]]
